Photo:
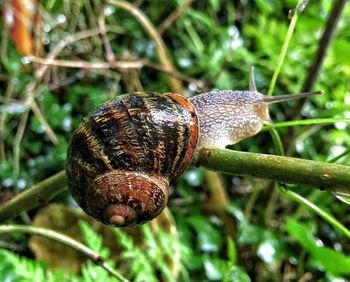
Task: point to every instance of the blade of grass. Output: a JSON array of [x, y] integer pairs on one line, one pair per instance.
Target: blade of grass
[[300, 7], [305, 122], [53, 235], [315, 209]]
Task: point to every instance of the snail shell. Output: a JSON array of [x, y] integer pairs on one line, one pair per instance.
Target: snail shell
[[126, 153]]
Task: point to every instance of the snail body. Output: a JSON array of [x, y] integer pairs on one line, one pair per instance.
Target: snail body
[[125, 154]]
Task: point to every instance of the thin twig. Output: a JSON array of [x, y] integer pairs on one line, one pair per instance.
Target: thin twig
[[323, 46], [3, 117], [163, 54], [53, 235], [39, 115], [108, 48], [174, 15], [219, 199], [90, 65], [34, 197], [32, 89], [61, 45], [120, 65], [17, 143]]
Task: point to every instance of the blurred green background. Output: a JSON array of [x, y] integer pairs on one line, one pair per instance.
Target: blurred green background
[[217, 229]]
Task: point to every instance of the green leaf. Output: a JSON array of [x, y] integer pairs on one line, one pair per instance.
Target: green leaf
[[92, 239], [236, 273], [208, 237], [214, 268], [322, 257]]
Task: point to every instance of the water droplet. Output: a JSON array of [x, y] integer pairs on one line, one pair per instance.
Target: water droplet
[[233, 31], [192, 87], [9, 17], [108, 10], [7, 182], [29, 6], [15, 108], [342, 197], [338, 247], [15, 81], [185, 62], [45, 40], [67, 107], [319, 243], [340, 125], [61, 18], [300, 146], [21, 184], [26, 60], [266, 252], [193, 177], [46, 28], [291, 13], [329, 105], [67, 124]]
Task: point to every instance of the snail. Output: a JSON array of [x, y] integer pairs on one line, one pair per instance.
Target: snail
[[125, 154]]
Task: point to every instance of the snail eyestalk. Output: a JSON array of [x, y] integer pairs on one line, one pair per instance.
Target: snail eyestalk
[[288, 97], [252, 86]]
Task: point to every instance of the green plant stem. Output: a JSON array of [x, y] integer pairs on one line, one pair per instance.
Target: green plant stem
[[36, 196], [314, 121], [333, 177], [314, 208], [323, 46], [50, 234], [301, 5]]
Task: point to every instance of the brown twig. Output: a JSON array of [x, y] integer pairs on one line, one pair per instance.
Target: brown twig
[[315, 67], [50, 133], [323, 47], [174, 15], [108, 48], [163, 54], [95, 257], [120, 65], [220, 201]]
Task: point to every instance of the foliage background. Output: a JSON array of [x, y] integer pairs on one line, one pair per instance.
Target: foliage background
[[262, 236]]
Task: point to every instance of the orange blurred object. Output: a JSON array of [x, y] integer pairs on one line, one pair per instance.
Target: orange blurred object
[[21, 17]]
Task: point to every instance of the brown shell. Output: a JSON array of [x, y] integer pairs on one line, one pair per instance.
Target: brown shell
[[141, 133]]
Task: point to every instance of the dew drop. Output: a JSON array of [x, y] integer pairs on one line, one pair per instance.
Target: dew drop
[[108, 10], [345, 198], [21, 184], [266, 252], [26, 60], [46, 28], [7, 182], [61, 18], [67, 124]]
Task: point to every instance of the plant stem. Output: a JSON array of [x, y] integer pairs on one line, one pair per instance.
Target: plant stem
[[36, 196], [50, 234], [324, 44], [314, 208], [333, 177], [287, 39]]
